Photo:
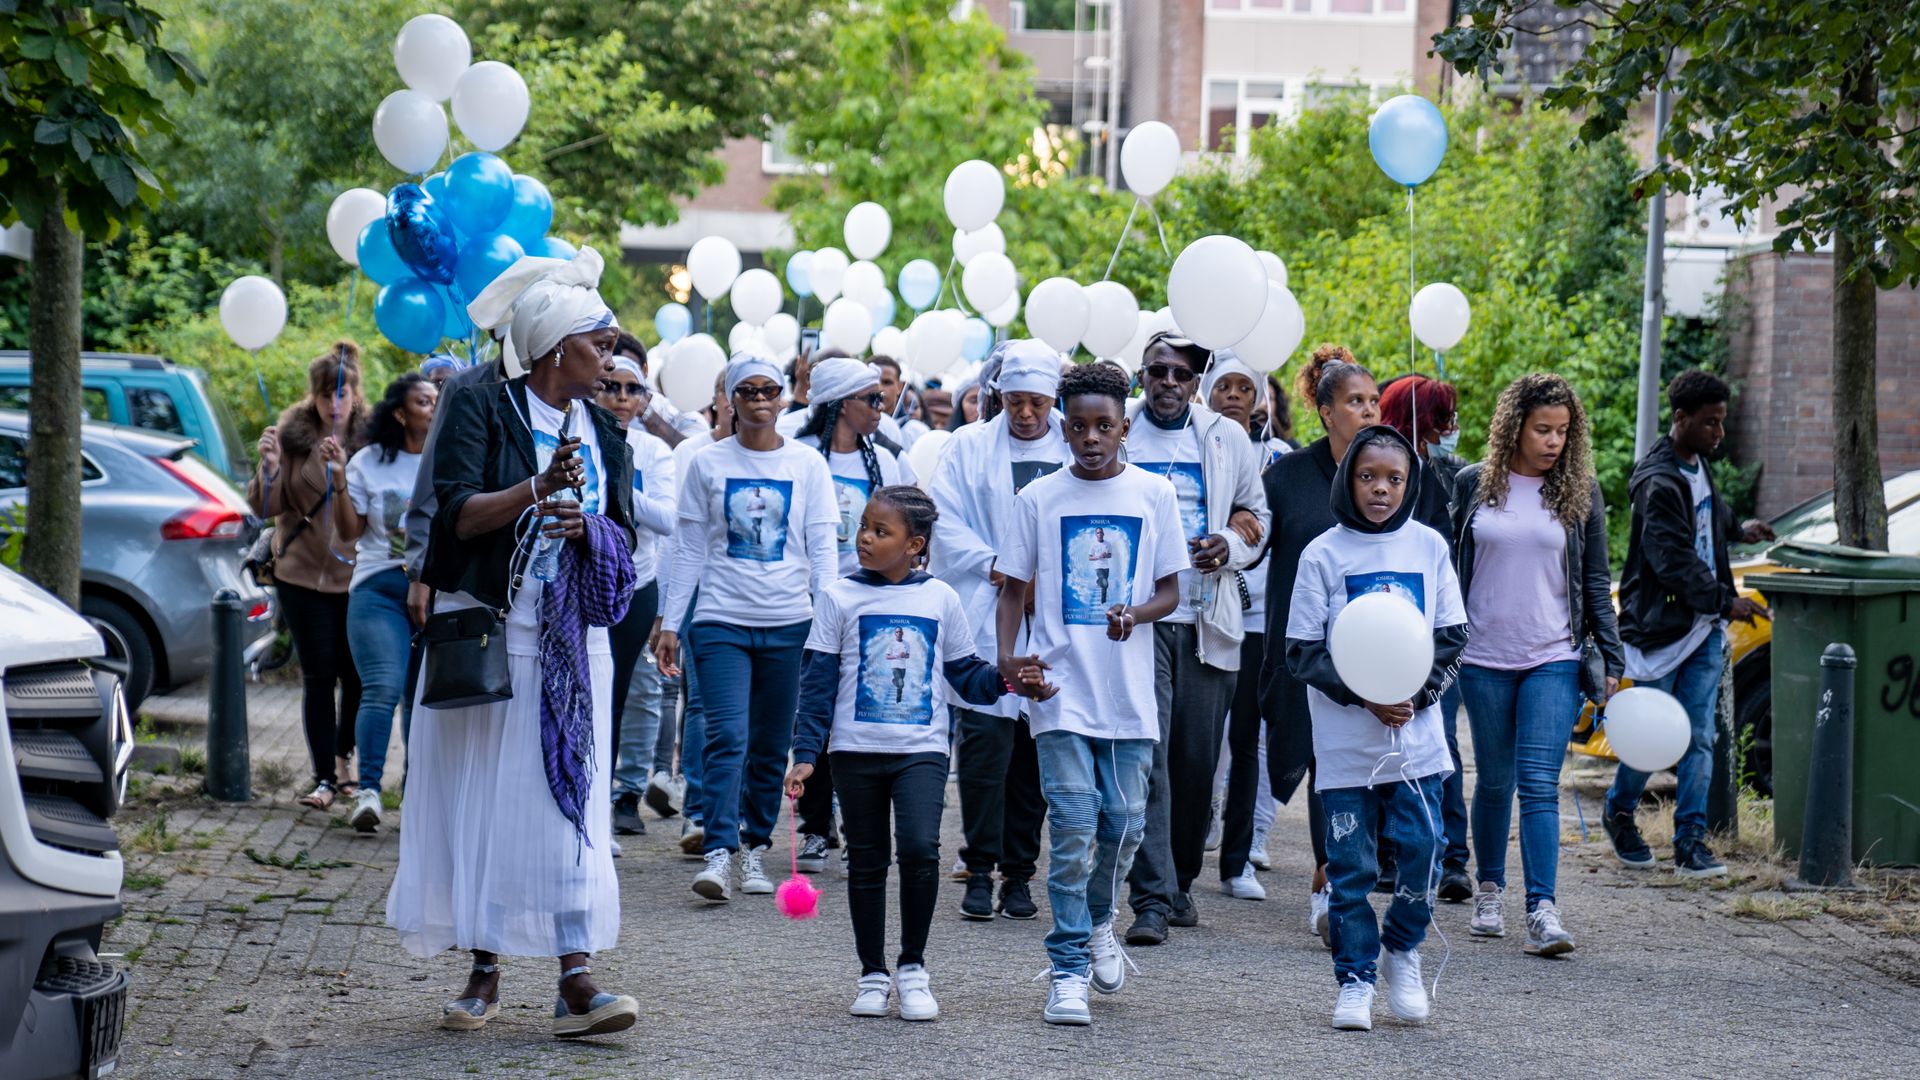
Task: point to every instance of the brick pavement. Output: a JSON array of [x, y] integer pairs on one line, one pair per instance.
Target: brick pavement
[[245, 968]]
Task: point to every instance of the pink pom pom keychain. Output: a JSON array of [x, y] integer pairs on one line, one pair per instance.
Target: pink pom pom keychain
[[796, 897]]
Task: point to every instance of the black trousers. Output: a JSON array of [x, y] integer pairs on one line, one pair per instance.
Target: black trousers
[[815, 805], [1243, 764], [1180, 790], [628, 637], [318, 621], [907, 791], [1001, 808]]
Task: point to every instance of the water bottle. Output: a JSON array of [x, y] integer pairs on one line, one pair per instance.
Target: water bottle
[[546, 549]]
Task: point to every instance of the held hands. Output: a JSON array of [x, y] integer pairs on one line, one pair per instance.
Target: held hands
[[1120, 622], [1394, 716], [797, 778], [1248, 526], [1026, 674]]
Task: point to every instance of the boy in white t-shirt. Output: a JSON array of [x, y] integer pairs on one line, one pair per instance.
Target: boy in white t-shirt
[[1377, 763], [1102, 546]]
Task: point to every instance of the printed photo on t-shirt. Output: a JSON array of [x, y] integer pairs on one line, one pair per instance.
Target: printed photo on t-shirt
[[850, 497], [1409, 587], [1189, 488], [544, 446], [757, 518], [1097, 553], [896, 670], [393, 516], [1026, 472]]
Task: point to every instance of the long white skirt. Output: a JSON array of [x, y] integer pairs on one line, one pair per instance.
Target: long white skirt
[[487, 861]]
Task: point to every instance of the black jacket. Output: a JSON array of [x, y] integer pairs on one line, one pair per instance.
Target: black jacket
[[484, 446], [1665, 585], [1589, 575]]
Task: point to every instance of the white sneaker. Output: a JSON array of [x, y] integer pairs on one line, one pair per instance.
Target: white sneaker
[[1108, 972], [615, 845], [1406, 994], [664, 793], [1257, 855], [1320, 908], [692, 838], [714, 884], [366, 810], [1244, 887], [1487, 920], [753, 872], [871, 1000], [1354, 1010], [1067, 1000], [1217, 827], [1545, 935], [916, 997]]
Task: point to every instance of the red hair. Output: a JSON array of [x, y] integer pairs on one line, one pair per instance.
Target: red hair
[[1432, 402]]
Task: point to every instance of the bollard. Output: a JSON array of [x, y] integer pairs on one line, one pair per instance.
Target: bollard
[[229, 770], [1826, 840]]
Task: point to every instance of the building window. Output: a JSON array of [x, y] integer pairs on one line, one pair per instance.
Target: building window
[[777, 157], [1313, 7], [1242, 105]]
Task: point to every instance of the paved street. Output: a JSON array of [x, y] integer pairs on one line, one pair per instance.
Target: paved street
[[257, 939]]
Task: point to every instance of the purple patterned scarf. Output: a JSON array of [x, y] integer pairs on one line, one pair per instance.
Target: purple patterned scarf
[[592, 588]]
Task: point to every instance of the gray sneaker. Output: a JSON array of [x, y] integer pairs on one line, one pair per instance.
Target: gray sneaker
[[1545, 935], [1067, 1000], [753, 872], [1487, 919]]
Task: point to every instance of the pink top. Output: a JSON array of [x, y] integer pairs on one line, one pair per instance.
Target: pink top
[[1518, 604]]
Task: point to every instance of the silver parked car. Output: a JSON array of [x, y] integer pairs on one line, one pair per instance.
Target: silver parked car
[[161, 533]]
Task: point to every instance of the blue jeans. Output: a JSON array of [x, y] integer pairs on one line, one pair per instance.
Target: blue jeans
[[693, 741], [1096, 792], [1696, 685], [1453, 800], [380, 633], [1521, 721], [1406, 813], [749, 686], [639, 730]]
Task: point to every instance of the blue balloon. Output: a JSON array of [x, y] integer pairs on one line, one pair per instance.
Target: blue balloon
[[919, 284], [422, 233], [436, 187], [672, 322], [976, 339], [479, 193], [459, 326], [378, 260], [411, 314], [555, 248], [482, 259], [1408, 138], [532, 212], [883, 315], [800, 273]]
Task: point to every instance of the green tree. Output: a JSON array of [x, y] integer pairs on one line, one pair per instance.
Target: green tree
[[71, 166], [1806, 105]]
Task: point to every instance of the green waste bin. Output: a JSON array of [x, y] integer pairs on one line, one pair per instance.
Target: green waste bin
[[1871, 601]]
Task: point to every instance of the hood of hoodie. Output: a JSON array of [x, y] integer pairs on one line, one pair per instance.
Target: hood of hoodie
[[1345, 511]]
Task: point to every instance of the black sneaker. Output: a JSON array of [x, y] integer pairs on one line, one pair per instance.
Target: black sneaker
[[978, 902], [1184, 913], [812, 857], [1149, 928], [1691, 859], [626, 816], [1016, 900], [1628, 847], [1455, 886]]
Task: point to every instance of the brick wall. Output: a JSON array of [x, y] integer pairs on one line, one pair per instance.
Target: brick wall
[[1782, 357]]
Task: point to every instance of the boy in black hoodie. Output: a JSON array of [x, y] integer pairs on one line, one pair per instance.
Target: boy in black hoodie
[[1377, 762]]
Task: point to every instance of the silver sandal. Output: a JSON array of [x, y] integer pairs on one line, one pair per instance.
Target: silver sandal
[[471, 1013], [606, 1013]]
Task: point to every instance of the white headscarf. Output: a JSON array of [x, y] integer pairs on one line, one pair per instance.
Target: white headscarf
[[537, 302], [745, 366], [1227, 362], [1031, 367], [840, 377]]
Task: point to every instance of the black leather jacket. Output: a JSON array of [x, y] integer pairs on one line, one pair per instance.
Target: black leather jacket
[[1590, 604], [1664, 585]]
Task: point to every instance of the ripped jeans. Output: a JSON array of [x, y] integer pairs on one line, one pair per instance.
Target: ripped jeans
[[1355, 817], [1096, 792]]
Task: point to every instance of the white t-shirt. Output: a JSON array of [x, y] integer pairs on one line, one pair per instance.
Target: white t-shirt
[[523, 622], [1087, 545], [1175, 456], [656, 492], [1657, 663], [380, 491], [852, 487], [751, 510], [1338, 565], [1034, 459], [1519, 604], [892, 641]]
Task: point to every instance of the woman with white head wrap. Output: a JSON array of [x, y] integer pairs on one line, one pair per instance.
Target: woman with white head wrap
[[507, 846], [1234, 390]]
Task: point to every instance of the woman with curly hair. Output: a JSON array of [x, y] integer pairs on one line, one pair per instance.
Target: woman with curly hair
[[1530, 531]]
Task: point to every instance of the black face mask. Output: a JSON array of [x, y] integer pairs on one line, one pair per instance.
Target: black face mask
[[1341, 497]]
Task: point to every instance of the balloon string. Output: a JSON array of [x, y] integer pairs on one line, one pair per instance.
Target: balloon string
[[1413, 353], [1124, 229], [957, 301], [1161, 226]]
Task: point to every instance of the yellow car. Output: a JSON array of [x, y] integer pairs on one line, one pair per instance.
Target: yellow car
[[1751, 643]]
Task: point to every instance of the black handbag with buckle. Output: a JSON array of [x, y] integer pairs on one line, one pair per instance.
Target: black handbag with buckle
[[466, 659]]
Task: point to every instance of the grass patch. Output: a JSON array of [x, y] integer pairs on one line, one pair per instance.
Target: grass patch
[[132, 956], [153, 837], [389, 801], [240, 1008], [193, 760], [1774, 909], [263, 898], [272, 776], [142, 882]]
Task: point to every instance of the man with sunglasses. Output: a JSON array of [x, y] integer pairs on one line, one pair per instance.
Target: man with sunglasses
[[1215, 471]]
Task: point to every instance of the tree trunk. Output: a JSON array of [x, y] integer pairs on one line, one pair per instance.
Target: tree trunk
[[51, 556], [1859, 501]]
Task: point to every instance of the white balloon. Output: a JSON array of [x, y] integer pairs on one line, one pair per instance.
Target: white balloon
[[431, 51], [847, 326], [1057, 313], [974, 194], [1130, 354], [1276, 335], [410, 130], [1217, 290], [1647, 728], [714, 262], [978, 242], [1113, 315], [925, 455], [691, 368], [1440, 314], [352, 209], [1382, 648], [1005, 313], [782, 332], [865, 282], [1149, 157], [490, 103], [935, 340], [756, 295], [742, 337], [253, 310], [828, 272], [988, 280], [1276, 270], [867, 230], [890, 341]]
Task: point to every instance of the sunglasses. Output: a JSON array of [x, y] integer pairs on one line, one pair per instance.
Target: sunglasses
[[617, 389], [1177, 374], [874, 400], [762, 392]]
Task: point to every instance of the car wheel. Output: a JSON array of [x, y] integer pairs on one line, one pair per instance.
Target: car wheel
[[1753, 724], [127, 643]]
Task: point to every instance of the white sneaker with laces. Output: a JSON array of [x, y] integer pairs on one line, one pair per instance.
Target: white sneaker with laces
[[916, 996], [874, 991], [1406, 993], [1217, 828], [1257, 855], [753, 872], [714, 884], [1354, 1010], [1320, 911], [1487, 920], [1545, 935], [1108, 972], [1067, 1000], [366, 810], [1245, 887]]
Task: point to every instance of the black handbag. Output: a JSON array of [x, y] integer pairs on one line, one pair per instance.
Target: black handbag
[[466, 659], [1593, 671]]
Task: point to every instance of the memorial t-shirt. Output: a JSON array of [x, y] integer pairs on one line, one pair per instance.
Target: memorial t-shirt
[[892, 641], [1174, 454]]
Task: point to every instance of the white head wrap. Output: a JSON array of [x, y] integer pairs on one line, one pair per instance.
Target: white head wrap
[[627, 364], [839, 377], [745, 366], [1227, 362], [537, 302], [1031, 367]]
